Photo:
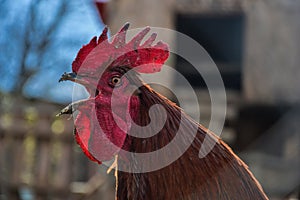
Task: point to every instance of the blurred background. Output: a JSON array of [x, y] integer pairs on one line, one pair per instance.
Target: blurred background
[[255, 44]]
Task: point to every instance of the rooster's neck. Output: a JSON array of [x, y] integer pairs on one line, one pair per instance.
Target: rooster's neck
[[219, 175]]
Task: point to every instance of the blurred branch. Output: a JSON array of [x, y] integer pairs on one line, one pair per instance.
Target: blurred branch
[[24, 75], [52, 28], [35, 39]]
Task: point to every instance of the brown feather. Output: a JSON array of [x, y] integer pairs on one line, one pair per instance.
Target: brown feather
[[220, 175]]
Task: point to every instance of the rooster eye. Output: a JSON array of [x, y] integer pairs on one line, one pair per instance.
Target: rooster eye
[[115, 81]]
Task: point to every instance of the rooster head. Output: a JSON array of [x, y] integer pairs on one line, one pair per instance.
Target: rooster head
[[106, 69]]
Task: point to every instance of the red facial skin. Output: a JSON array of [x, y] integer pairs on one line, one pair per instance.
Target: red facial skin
[[99, 132]]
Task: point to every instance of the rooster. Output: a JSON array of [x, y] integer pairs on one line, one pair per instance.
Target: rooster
[[107, 129]]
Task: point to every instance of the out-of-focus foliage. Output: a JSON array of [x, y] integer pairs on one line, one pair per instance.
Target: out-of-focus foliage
[[38, 41]]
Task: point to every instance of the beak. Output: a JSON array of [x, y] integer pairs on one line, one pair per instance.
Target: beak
[[83, 80], [75, 78], [73, 107], [68, 76], [66, 110]]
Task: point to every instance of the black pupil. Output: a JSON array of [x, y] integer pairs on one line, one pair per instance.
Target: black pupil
[[116, 80]]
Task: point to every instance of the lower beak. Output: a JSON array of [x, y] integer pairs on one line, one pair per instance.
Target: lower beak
[[71, 108], [66, 110]]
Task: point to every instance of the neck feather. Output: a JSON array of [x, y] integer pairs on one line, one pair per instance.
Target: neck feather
[[219, 175]]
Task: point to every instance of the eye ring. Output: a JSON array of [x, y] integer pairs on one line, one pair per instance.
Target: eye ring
[[115, 81]]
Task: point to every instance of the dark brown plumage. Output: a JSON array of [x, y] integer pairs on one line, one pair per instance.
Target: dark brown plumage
[[220, 175]]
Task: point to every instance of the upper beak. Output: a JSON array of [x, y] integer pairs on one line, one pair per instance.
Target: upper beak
[[79, 79], [68, 76], [75, 78]]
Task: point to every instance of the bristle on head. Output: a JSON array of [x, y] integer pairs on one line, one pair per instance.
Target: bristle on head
[[144, 58]]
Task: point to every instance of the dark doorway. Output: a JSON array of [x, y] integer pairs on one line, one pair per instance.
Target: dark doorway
[[222, 37]]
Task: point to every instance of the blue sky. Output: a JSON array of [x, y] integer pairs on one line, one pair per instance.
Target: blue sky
[[75, 30]]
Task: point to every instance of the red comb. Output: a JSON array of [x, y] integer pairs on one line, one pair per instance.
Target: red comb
[[148, 58]]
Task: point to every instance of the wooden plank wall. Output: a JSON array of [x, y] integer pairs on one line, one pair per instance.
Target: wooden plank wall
[[38, 156]]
